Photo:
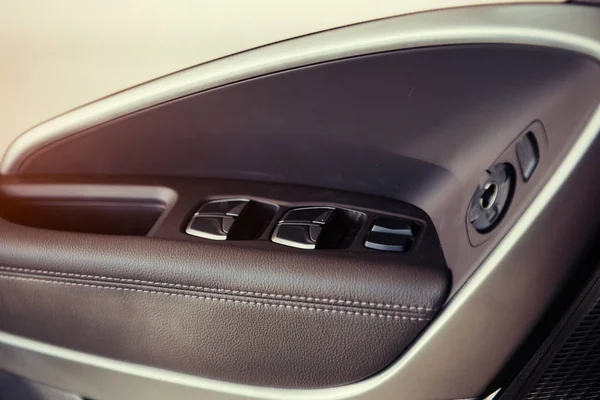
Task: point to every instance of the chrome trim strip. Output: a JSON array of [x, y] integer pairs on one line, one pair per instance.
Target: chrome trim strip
[[90, 192], [289, 243], [226, 200], [442, 361], [286, 221], [204, 235], [391, 231]]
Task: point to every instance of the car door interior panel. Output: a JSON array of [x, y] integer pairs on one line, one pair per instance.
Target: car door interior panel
[[246, 314], [340, 126], [348, 225]]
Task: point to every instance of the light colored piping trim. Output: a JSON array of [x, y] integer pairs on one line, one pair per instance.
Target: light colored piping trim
[[566, 27], [90, 192], [361, 39]]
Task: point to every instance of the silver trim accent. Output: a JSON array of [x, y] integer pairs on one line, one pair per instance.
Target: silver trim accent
[[87, 191], [369, 244], [441, 363], [399, 232], [492, 199], [289, 243], [372, 37], [199, 214], [316, 221], [201, 234], [226, 200]]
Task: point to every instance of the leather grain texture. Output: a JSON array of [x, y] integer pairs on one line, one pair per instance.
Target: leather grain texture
[[252, 316]]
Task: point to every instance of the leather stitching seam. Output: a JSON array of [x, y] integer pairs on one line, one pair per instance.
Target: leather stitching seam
[[224, 291], [216, 299]]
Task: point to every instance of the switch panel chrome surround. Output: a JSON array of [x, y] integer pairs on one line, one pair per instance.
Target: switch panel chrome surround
[[214, 219], [301, 227], [300, 236], [308, 215]]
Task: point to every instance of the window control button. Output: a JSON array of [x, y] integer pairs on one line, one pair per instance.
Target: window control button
[[230, 207], [298, 236], [307, 215], [528, 154], [394, 227], [388, 242], [214, 228], [389, 234]]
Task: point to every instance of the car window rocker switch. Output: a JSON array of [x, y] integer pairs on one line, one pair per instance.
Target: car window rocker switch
[[214, 219], [229, 207], [391, 235], [308, 215], [528, 155], [300, 236], [301, 227], [213, 228]]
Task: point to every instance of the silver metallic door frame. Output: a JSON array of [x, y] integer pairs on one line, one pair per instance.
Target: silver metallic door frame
[[493, 24], [482, 325]]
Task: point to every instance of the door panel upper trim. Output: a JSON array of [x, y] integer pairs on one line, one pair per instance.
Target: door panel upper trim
[[59, 56], [411, 31], [484, 323]]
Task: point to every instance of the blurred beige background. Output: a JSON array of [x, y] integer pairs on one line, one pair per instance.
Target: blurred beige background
[[56, 55]]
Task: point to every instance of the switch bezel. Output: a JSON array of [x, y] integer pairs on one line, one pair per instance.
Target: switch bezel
[[343, 228]]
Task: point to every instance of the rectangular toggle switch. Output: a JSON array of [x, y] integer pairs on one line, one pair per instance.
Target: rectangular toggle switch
[[528, 154], [391, 235]]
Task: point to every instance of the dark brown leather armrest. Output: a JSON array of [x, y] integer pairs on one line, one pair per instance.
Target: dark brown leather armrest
[[270, 318]]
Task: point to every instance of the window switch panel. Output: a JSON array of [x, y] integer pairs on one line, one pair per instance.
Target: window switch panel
[[231, 219]]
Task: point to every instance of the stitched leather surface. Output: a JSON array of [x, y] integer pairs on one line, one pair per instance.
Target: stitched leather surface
[[259, 317]]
